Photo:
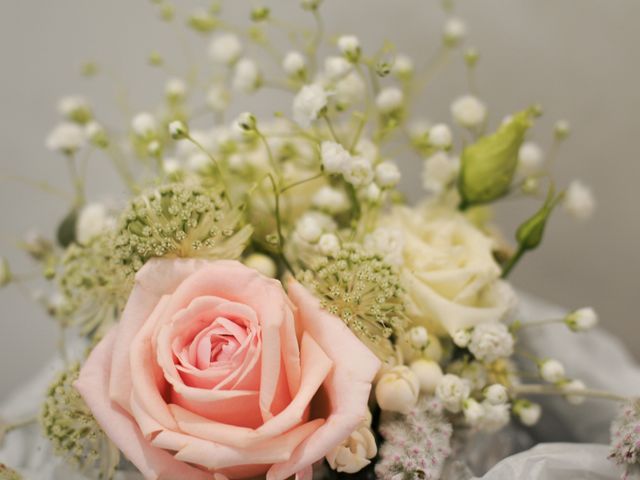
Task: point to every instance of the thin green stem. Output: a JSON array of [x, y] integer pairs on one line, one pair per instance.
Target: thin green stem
[[512, 262], [540, 323], [272, 160], [42, 186], [330, 126], [276, 194], [215, 164], [358, 133], [540, 389], [300, 182], [76, 179]]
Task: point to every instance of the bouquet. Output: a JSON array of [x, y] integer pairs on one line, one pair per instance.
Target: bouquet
[[263, 302]]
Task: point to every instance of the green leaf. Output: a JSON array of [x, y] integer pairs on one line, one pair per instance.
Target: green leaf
[[66, 233], [488, 166]]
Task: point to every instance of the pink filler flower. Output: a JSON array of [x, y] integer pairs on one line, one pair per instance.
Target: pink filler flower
[[214, 372]]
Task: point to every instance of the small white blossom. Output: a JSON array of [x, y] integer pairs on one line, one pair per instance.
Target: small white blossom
[[336, 67], [93, 220], [66, 138], [387, 174], [495, 416], [552, 371], [397, 390], [528, 412], [294, 63], [349, 45], [175, 89], [178, 129], [403, 65], [358, 172], [454, 31], [218, 98], [579, 201], [428, 373], [389, 100], [582, 319], [461, 337], [308, 103], [572, 389], [96, 134], [440, 170], [530, 158], [452, 391], [170, 166], [473, 411], [349, 90], [366, 148], [309, 229], [329, 244], [246, 76], [262, 263], [356, 451], [144, 124], [490, 341], [496, 394], [245, 122], [468, 111], [372, 193], [75, 107], [440, 136], [225, 48], [419, 130], [334, 157], [418, 336], [330, 199], [386, 242]]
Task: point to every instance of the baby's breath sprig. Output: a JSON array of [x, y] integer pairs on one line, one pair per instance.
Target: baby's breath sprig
[[179, 220], [363, 291], [75, 435]]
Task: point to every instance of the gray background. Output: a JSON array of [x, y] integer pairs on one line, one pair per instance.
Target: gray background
[[578, 58]]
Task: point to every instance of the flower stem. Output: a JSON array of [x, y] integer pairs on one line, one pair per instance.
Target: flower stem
[[215, 164], [506, 270], [276, 194], [553, 390], [300, 182], [330, 125]]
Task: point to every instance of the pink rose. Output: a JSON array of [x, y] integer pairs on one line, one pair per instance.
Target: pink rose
[[213, 369]]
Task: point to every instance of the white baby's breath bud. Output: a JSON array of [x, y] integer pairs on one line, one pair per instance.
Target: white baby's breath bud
[[66, 138], [440, 136], [329, 244], [349, 90], [246, 76], [358, 172], [154, 148], [171, 166], [96, 134], [473, 411], [225, 48], [530, 158], [390, 100], [388, 243], [387, 174], [246, 122], [579, 201], [330, 199], [144, 124], [419, 337], [349, 45], [429, 374], [572, 390], [461, 337], [373, 193], [454, 31], [495, 416], [178, 130], [336, 68], [528, 412], [582, 319], [490, 341], [468, 111], [92, 221], [218, 98], [5, 272], [452, 391], [262, 263], [175, 89], [308, 104], [334, 157], [562, 129], [355, 452], [402, 66], [75, 108], [440, 171], [309, 228], [496, 394], [397, 390], [294, 64], [552, 371]]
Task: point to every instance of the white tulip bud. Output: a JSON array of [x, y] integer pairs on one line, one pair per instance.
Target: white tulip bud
[[262, 263], [582, 319], [473, 411], [552, 371], [398, 390], [440, 136], [452, 391], [428, 373], [496, 394]]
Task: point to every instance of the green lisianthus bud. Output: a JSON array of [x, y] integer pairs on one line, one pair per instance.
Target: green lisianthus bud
[[488, 166], [529, 234]]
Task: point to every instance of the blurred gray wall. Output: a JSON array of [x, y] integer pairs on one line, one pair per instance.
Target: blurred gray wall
[[578, 58]]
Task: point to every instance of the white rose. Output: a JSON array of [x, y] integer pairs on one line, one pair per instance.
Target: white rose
[[449, 272]]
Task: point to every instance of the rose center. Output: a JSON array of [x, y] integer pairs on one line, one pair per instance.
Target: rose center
[[218, 343]]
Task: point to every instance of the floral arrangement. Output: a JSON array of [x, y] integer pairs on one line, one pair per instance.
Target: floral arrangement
[[263, 302]]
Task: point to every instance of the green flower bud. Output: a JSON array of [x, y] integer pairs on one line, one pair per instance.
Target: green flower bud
[[202, 22], [167, 12], [488, 166], [89, 69], [562, 130], [5, 272], [530, 233], [260, 14], [155, 59], [471, 57]]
